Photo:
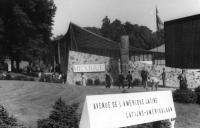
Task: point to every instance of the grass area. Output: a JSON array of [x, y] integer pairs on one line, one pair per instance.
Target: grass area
[[29, 101]]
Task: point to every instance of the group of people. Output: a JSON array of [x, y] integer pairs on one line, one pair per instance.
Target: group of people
[[48, 77], [147, 80], [128, 78]]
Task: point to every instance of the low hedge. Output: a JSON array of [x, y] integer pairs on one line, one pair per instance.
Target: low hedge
[[23, 78], [184, 96]]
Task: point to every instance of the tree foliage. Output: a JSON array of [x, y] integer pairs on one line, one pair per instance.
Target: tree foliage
[[25, 28], [62, 116], [7, 121], [139, 36]]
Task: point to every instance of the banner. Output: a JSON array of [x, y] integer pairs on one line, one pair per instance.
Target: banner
[[89, 68]]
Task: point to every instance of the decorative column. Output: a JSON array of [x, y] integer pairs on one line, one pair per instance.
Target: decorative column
[[124, 54]]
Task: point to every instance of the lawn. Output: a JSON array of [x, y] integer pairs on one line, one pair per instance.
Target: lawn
[[30, 101]]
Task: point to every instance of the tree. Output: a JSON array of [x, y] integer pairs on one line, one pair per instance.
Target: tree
[[139, 36], [62, 116], [27, 28], [117, 30], [106, 27], [7, 121]]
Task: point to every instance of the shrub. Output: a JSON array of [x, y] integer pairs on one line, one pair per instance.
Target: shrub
[[157, 124], [56, 81], [78, 82], [89, 82], [103, 83], [33, 74], [198, 97], [136, 82], [7, 121], [8, 77], [124, 91], [184, 96], [96, 82], [197, 90], [23, 78], [62, 116]]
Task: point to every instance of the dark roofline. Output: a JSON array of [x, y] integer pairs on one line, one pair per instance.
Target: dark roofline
[[94, 33], [111, 41], [183, 19], [131, 48]]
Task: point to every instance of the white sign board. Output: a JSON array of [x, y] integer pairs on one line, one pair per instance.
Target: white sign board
[[121, 110], [89, 68]]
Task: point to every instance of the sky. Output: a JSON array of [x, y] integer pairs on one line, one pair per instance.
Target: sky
[[89, 13]]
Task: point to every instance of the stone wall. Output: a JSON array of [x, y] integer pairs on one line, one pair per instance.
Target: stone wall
[[193, 77], [83, 58]]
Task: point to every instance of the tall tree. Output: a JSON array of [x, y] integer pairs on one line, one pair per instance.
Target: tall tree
[[27, 28], [139, 36], [117, 30], [106, 27]]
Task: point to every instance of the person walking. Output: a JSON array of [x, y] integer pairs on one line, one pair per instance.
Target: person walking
[[145, 76], [64, 78], [142, 76], [164, 77], [108, 80], [121, 80], [129, 79], [183, 80], [83, 79]]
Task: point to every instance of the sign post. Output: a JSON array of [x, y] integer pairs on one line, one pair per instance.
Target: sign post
[[121, 110]]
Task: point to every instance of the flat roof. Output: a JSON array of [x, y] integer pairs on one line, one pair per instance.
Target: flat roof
[[183, 19]]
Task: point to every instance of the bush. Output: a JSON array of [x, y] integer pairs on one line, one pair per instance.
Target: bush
[[157, 124], [103, 83], [136, 82], [56, 81], [197, 91], [23, 78], [78, 82], [7, 121], [198, 97], [184, 96], [62, 116], [96, 82], [89, 82], [33, 74], [8, 77], [125, 91]]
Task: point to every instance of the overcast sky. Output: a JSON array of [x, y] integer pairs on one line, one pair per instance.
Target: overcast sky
[[88, 13]]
